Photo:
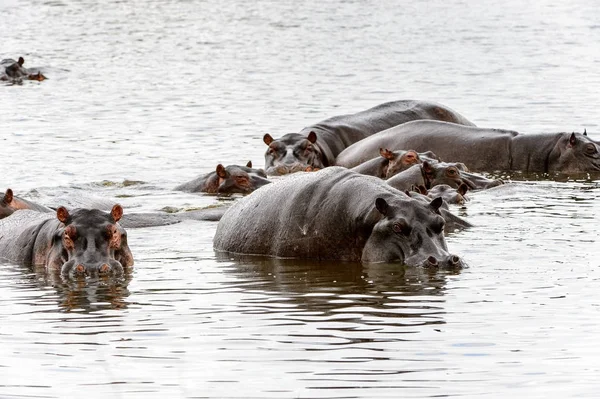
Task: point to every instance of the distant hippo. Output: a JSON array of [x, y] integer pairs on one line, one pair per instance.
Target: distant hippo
[[11, 203], [391, 163], [452, 195], [430, 174], [318, 145], [77, 243], [485, 149], [14, 71], [336, 214], [227, 180]]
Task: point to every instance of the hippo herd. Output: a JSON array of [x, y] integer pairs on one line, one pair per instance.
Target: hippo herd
[[372, 187]]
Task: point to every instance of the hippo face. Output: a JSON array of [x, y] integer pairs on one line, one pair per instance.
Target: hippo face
[[411, 232], [454, 174], [449, 194], [5, 207], [90, 242], [14, 70], [240, 179], [399, 161], [574, 153], [292, 153]]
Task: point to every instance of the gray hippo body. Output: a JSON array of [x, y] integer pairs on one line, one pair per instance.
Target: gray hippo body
[[11, 70], [317, 146], [485, 149], [81, 242], [336, 214], [227, 180], [11, 203]]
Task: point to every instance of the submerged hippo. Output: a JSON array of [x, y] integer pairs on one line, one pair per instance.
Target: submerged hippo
[[336, 214], [14, 71], [390, 163], [77, 243], [455, 196], [485, 149], [11, 203], [318, 145], [227, 180]]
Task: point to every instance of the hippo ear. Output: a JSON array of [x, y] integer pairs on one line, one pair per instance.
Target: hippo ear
[[421, 189], [462, 189], [436, 203], [585, 132], [572, 140], [312, 137], [387, 154], [268, 139], [382, 206], [21, 61], [63, 215], [249, 164], [116, 212], [8, 196], [221, 172]]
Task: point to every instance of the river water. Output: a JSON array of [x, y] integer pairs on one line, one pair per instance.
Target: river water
[[157, 92]]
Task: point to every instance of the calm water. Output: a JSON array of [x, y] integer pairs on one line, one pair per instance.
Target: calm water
[[161, 91]]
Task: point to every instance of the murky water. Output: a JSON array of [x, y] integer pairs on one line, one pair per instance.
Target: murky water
[[161, 91]]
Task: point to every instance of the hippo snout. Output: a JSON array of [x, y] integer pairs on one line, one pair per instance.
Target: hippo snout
[[452, 261], [81, 269]]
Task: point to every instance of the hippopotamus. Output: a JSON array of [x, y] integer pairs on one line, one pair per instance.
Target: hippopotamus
[[11, 203], [453, 222], [227, 180], [393, 162], [451, 195], [318, 145], [336, 214], [428, 174], [76, 243], [485, 150], [14, 71]]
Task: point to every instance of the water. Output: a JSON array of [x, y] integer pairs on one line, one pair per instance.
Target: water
[[162, 91]]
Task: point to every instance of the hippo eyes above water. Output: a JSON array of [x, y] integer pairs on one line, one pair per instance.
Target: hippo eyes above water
[[241, 180], [452, 172], [590, 149], [401, 228]]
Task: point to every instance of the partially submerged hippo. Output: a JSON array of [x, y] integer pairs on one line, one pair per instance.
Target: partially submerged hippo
[[336, 214], [485, 149], [77, 243], [451, 195], [318, 145], [11, 203], [14, 71], [227, 180], [390, 163]]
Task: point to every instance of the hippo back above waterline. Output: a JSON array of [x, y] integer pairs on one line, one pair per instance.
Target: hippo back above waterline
[[336, 214], [317, 146]]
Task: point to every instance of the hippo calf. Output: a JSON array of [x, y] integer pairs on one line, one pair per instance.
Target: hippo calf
[[337, 214], [227, 180], [318, 145], [11, 203], [14, 71], [78, 243], [485, 150]]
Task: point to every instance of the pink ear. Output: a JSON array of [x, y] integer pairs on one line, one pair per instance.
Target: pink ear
[[221, 172], [387, 154], [116, 212], [312, 137], [268, 139], [249, 164], [8, 196], [62, 214]]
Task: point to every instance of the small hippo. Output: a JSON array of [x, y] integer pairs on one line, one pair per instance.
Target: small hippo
[[11, 203], [484, 150], [453, 196], [77, 243], [390, 163], [318, 145], [12, 70], [227, 180], [339, 214]]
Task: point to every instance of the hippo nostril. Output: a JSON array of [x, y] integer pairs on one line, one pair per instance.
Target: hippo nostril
[[432, 261], [454, 260], [80, 268], [104, 268]]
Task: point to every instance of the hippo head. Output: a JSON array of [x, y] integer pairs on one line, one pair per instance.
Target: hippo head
[[574, 153], [449, 194], [399, 160], [411, 232], [90, 242], [240, 179], [15, 70], [292, 153], [5, 207], [454, 174]]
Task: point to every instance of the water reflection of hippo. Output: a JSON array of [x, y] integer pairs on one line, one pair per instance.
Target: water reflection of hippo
[[227, 180], [390, 163], [11, 203], [14, 71], [485, 149], [318, 145], [336, 214], [81, 242]]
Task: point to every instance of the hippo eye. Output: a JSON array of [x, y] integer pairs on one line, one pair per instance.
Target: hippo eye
[[452, 172], [590, 149], [241, 180], [437, 228], [400, 228], [308, 148]]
